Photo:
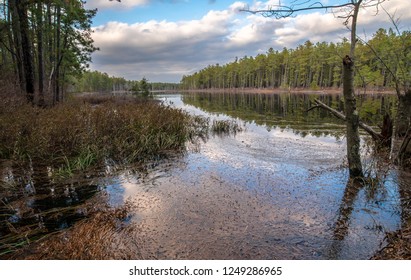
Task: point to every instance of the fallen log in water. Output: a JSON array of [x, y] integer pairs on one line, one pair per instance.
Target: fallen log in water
[[379, 137]]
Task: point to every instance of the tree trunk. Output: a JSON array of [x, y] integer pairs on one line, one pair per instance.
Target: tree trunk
[[403, 128], [57, 59], [403, 119], [352, 120], [404, 154], [27, 50], [18, 51], [351, 113], [40, 57], [7, 16]]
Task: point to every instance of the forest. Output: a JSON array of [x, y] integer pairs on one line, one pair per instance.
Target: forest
[[43, 46], [313, 65], [95, 81], [45, 52]]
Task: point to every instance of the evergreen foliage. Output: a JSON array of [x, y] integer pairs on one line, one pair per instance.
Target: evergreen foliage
[[43, 45], [310, 66]]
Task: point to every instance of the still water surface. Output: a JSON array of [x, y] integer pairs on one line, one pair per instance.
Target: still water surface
[[276, 190]]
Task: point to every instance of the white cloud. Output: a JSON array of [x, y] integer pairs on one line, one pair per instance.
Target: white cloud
[[166, 50], [160, 46]]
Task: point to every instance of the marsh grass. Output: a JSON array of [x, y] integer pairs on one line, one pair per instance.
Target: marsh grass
[[225, 127], [63, 143], [84, 132]]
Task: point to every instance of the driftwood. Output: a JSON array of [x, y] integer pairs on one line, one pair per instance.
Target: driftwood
[[379, 137]]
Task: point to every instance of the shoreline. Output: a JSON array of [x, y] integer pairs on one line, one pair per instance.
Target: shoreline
[[324, 91], [331, 91]]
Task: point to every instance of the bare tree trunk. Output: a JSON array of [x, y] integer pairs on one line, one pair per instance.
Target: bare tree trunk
[[352, 120], [351, 113], [403, 128], [40, 57], [49, 51], [403, 119], [27, 50], [57, 59], [17, 42], [404, 154], [12, 50]]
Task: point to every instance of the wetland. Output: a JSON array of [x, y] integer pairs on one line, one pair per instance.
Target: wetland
[[267, 180]]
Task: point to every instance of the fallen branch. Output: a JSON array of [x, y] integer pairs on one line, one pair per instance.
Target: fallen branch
[[375, 135]]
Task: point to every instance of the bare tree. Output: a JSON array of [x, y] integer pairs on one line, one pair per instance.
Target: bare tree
[[348, 11]]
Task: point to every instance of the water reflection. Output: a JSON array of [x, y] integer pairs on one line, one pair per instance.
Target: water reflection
[[32, 204], [342, 224], [290, 110], [274, 191]]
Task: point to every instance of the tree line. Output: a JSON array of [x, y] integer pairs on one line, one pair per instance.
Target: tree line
[[95, 81], [310, 65], [44, 45]]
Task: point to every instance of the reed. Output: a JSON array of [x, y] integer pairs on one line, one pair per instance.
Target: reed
[[225, 127], [83, 132]]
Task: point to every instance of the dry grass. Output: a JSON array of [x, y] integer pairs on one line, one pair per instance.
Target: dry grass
[[398, 248], [74, 136], [80, 133], [104, 235]]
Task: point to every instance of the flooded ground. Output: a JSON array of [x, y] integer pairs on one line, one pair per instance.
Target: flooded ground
[[265, 193], [275, 190]]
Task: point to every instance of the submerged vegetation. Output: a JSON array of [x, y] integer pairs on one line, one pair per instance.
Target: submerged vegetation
[[226, 127]]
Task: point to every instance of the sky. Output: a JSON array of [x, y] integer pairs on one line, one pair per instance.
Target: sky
[[162, 40]]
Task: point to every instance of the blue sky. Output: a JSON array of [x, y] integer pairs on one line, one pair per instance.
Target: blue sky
[[158, 10], [163, 40]]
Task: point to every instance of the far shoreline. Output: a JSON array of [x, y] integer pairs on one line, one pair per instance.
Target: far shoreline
[[330, 91]]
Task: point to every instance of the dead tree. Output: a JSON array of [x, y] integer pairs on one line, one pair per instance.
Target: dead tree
[[349, 11]]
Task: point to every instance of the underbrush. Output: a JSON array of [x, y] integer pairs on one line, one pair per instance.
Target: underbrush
[[80, 133]]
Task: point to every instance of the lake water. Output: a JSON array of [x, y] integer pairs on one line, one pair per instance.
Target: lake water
[[275, 190]]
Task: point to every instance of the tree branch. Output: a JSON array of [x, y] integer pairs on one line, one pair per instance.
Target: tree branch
[[375, 135], [284, 11]]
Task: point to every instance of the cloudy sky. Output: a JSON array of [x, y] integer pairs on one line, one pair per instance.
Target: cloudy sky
[[163, 40]]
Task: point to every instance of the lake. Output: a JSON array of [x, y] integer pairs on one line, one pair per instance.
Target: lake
[[276, 189]]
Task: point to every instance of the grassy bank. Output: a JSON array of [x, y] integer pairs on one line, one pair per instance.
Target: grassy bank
[[86, 131]]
